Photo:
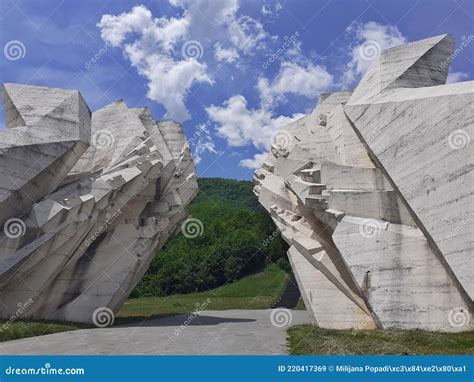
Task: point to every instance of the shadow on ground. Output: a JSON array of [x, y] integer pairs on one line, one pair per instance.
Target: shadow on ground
[[183, 319]]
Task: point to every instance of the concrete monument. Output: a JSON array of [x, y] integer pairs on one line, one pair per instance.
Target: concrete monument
[[86, 199], [373, 191]]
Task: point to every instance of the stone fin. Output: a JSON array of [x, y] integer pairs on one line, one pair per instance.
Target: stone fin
[[13, 117], [429, 69]]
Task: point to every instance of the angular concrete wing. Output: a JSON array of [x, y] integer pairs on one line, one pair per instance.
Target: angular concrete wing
[[86, 200], [373, 191], [413, 135], [47, 132]]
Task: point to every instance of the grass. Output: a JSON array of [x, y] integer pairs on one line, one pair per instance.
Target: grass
[[261, 291], [26, 329], [258, 291], [300, 305], [312, 340]]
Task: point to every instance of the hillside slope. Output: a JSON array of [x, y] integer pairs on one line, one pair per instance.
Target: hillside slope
[[234, 243]]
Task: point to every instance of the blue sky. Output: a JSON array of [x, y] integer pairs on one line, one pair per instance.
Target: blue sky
[[231, 71]]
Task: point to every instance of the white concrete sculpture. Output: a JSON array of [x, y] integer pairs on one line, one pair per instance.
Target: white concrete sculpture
[[86, 199], [373, 191]]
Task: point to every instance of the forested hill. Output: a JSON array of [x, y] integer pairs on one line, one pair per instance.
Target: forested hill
[[236, 192], [233, 243]]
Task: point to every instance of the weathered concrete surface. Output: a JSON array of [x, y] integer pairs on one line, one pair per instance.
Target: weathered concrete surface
[[47, 130], [211, 332], [92, 197], [373, 191]]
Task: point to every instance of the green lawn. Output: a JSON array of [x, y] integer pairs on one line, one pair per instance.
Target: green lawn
[[31, 329], [258, 291], [300, 305], [261, 291], [312, 340]]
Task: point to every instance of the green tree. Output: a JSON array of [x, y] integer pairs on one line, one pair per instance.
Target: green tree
[[234, 243]]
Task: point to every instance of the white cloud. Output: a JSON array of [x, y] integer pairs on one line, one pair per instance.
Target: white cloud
[[201, 142], [153, 45], [371, 38], [170, 80], [150, 52], [247, 33], [227, 55], [268, 10], [162, 31], [456, 77], [241, 126], [292, 78], [254, 162], [221, 21]]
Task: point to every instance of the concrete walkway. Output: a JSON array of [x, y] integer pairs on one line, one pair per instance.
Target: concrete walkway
[[209, 332]]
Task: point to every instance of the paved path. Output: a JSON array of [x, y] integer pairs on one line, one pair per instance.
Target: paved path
[[290, 296], [209, 332]]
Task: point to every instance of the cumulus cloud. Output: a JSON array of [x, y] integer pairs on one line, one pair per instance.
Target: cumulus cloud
[[149, 45], [456, 77], [227, 55], [371, 38], [241, 126], [254, 162], [201, 142], [162, 31], [271, 9], [308, 81], [266, 11], [154, 45], [221, 21]]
